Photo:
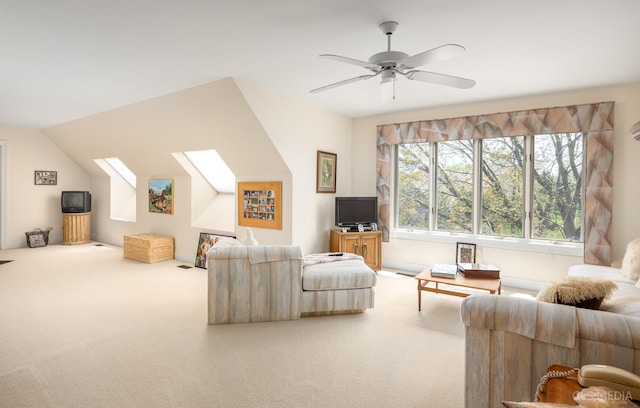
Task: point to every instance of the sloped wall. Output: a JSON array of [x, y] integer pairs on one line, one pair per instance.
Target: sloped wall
[[144, 136], [28, 205]]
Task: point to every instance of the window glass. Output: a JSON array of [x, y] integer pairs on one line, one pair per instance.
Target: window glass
[[213, 169], [502, 187], [412, 207], [454, 186], [558, 186]]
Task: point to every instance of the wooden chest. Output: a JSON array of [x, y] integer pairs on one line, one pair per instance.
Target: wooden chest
[[148, 248]]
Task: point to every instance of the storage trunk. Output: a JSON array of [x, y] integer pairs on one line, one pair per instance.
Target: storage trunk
[[148, 248]]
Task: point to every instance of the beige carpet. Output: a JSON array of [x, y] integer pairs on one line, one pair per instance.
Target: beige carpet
[[82, 327]]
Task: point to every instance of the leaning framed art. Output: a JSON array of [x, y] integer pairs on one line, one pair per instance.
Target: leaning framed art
[[206, 241], [260, 204], [326, 166]]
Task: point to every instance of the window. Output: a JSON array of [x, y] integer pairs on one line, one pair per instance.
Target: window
[[122, 188], [213, 169], [502, 187], [481, 186], [454, 186], [557, 187]]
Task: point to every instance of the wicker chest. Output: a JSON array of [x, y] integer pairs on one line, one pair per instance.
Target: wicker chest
[[148, 247]]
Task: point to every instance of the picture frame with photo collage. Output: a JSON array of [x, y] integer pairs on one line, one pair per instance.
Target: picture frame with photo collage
[[260, 204]]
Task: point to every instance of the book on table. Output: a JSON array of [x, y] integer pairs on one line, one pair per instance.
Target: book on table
[[443, 271], [477, 270]]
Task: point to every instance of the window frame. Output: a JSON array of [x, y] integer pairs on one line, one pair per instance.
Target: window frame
[[526, 241]]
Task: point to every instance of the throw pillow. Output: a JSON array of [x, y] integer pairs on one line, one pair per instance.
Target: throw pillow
[[578, 291], [631, 260]]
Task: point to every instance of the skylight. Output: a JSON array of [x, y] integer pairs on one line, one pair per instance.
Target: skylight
[[122, 170], [213, 169]]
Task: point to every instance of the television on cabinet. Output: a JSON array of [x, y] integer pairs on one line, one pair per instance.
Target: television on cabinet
[[354, 211], [75, 201]]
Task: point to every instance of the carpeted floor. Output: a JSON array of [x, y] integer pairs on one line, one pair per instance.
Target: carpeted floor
[[83, 327]]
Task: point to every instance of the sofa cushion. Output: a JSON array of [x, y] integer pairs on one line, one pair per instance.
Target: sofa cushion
[[578, 291], [600, 272], [624, 301], [631, 260], [347, 274]]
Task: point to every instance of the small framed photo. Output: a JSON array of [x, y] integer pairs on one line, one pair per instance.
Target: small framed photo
[[326, 172], [465, 253], [205, 243], [45, 178]]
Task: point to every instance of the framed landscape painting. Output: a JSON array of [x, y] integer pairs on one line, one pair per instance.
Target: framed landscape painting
[[161, 196]]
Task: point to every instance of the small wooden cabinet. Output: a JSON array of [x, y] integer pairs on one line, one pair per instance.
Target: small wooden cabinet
[[367, 244], [75, 228]]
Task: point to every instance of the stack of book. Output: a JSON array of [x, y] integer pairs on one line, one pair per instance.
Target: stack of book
[[476, 270], [443, 271]]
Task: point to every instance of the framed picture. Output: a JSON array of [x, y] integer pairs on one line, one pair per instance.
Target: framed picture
[[260, 204], [326, 172], [161, 196], [45, 178], [465, 253], [206, 241]]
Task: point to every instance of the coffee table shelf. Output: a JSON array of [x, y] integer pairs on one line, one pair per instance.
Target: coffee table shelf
[[424, 278]]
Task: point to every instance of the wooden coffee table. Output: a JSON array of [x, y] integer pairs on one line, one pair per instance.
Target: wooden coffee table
[[424, 279]]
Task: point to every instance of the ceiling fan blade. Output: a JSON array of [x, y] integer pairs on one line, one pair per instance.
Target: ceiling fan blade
[[441, 79], [346, 81], [351, 61], [434, 55]]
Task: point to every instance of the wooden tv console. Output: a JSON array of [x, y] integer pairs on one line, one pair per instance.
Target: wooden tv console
[[367, 244]]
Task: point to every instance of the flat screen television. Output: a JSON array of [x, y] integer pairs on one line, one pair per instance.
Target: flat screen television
[[351, 211], [75, 201]]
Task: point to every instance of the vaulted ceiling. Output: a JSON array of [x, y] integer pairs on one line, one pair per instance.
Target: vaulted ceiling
[[67, 59]]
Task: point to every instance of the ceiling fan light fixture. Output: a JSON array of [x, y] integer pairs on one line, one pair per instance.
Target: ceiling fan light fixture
[[388, 86]]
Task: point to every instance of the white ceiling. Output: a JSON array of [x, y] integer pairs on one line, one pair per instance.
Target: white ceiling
[[62, 60]]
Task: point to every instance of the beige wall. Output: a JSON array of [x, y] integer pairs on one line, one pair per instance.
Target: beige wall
[[265, 136], [520, 265], [146, 134], [261, 135], [298, 131], [29, 206]]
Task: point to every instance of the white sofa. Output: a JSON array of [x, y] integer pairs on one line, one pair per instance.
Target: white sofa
[[272, 282], [510, 341]]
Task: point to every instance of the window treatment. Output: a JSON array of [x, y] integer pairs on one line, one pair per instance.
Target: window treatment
[[594, 120]]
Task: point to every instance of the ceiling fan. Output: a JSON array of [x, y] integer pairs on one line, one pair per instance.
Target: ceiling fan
[[389, 64]]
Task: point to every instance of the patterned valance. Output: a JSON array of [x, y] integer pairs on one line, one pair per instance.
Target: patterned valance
[[595, 120]]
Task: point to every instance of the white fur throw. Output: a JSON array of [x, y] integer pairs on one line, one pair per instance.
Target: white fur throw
[[631, 261], [576, 290]]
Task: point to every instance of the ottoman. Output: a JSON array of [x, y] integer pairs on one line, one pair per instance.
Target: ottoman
[[336, 284]]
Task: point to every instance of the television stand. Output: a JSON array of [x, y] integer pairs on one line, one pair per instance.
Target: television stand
[[75, 228], [366, 244]]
